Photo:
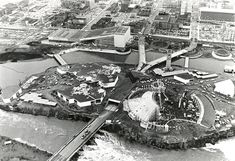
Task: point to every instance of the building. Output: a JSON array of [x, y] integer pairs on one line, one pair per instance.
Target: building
[[166, 21], [186, 7], [28, 82], [107, 37], [36, 98], [113, 36], [162, 21], [107, 81], [82, 95], [63, 69], [184, 78], [144, 109], [66, 35], [92, 4], [225, 87], [229, 69], [217, 15], [203, 75]]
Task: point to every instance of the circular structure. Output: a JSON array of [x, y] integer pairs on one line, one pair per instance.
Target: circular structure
[[195, 53], [222, 54], [160, 44]]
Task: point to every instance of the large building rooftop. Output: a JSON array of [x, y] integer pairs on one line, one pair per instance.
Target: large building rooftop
[[83, 93], [222, 15], [110, 31], [162, 18], [70, 35]]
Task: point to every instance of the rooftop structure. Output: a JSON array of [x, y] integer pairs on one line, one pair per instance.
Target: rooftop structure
[[225, 87], [120, 35], [117, 36], [37, 98], [66, 35], [82, 95], [105, 75], [218, 15], [203, 75], [184, 78], [143, 108], [162, 18]]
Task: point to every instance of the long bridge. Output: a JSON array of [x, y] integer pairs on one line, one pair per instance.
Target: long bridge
[[76, 143]]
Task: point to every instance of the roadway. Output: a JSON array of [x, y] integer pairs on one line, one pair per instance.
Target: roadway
[[98, 17], [70, 148]]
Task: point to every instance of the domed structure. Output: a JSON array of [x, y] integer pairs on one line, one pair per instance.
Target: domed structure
[[225, 87], [144, 108]]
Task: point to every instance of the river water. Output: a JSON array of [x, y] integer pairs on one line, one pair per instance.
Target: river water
[[49, 133]]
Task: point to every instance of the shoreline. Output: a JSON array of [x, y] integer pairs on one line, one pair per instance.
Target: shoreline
[[131, 135], [12, 150]]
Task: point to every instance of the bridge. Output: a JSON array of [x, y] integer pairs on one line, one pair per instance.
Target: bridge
[[59, 59], [142, 57], [173, 55], [71, 147], [143, 66]]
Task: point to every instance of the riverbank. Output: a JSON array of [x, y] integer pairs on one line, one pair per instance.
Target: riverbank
[[133, 135], [11, 150]]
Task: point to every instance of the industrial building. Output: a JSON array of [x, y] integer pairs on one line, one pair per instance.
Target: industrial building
[[66, 35], [225, 87], [112, 36], [217, 15], [116, 37]]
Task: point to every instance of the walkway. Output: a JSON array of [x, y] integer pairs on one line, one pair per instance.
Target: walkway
[[70, 148], [59, 59]]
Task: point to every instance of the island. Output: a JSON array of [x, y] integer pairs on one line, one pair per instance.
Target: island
[[180, 111]]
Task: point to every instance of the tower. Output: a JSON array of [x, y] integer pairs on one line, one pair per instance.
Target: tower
[[168, 61]]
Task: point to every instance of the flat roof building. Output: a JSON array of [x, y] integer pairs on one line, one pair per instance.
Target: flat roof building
[[120, 35], [184, 78], [116, 36], [66, 35], [217, 15], [82, 95]]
